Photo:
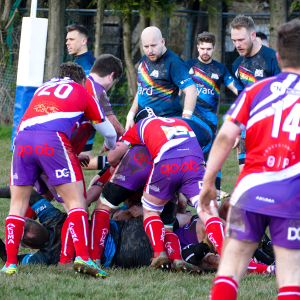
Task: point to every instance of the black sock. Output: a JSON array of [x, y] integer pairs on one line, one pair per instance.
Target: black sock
[[194, 253]]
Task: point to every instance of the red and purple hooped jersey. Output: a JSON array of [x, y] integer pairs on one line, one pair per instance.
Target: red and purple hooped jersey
[[270, 112], [58, 105], [165, 138]]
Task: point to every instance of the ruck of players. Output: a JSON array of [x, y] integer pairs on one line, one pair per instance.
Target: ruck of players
[[157, 197]]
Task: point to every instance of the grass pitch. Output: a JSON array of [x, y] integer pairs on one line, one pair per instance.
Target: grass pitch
[[42, 282]]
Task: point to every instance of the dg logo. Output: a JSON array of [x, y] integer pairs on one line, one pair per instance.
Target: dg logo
[[293, 234]]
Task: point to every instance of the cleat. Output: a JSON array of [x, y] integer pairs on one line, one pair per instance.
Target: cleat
[[88, 267], [160, 261], [10, 270], [183, 266], [65, 266]]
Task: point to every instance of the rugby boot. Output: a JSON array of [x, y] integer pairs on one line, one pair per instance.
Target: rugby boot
[[88, 267], [161, 261], [10, 270], [210, 245], [66, 266], [183, 266]]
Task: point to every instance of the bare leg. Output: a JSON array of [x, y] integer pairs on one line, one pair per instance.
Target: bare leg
[[20, 195]]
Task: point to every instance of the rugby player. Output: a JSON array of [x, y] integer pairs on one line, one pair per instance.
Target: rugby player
[[256, 62], [43, 145], [106, 70], [161, 74], [178, 165], [262, 38], [267, 190]]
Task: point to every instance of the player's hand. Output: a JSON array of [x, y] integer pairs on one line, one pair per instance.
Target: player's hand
[[207, 194], [136, 211], [129, 124], [104, 149], [236, 145], [84, 160]]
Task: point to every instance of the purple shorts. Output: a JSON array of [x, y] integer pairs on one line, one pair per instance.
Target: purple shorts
[[247, 226], [187, 234], [44, 151], [43, 187], [134, 168], [183, 174]]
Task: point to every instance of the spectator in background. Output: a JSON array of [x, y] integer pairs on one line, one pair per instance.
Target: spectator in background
[[262, 39], [77, 38]]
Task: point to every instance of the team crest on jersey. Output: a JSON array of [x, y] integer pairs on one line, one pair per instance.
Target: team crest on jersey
[[214, 76], [154, 73], [191, 71], [259, 73]]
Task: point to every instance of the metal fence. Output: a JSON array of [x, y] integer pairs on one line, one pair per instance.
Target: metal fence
[[181, 32]]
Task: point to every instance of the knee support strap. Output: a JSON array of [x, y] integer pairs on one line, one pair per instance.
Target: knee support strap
[[150, 206]]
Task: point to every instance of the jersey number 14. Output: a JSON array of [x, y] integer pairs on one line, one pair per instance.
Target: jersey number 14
[[290, 124]]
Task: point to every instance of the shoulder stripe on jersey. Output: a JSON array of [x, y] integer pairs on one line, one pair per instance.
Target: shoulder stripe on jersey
[[256, 179], [287, 82], [239, 106], [288, 101], [50, 117], [93, 87]]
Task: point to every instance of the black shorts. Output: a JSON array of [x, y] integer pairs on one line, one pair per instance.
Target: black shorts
[[134, 248]]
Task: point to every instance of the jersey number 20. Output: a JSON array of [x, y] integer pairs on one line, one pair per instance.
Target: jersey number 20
[[62, 91]]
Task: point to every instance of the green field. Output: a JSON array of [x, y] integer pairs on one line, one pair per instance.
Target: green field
[[40, 282]]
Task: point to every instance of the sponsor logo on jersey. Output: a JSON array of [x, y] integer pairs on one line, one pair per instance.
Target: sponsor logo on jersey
[[278, 88], [41, 208], [293, 234], [214, 76], [120, 177], [10, 230], [293, 92], [259, 73], [143, 91], [264, 199], [45, 109], [154, 73], [186, 80], [62, 173], [154, 188], [15, 176], [39, 150]]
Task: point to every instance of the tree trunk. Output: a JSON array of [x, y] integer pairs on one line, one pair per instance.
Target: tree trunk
[[144, 23], [215, 26], [5, 8], [99, 28], [198, 29], [130, 70], [278, 16], [55, 37]]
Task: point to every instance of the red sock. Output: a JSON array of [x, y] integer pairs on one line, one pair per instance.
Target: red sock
[[14, 226], [98, 232], [30, 213], [259, 268], [223, 288], [155, 230], [67, 246], [78, 226], [215, 233], [289, 293], [172, 246]]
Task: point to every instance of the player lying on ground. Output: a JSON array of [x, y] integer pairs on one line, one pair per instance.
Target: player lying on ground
[[267, 190], [43, 145]]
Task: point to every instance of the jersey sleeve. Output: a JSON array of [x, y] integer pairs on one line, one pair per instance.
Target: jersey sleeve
[[274, 66], [239, 111], [236, 80], [93, 110], [227, 78], [105, 104], [131, 137], [179, 74]]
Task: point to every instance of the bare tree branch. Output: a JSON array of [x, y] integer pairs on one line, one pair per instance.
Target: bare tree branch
[[11, 19]]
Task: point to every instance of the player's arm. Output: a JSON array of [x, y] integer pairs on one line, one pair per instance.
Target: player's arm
[[218, 154], [114, 156], [232, 88], [133, 110], [189, 101]]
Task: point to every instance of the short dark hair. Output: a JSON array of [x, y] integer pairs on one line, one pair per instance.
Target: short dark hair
[[80, 28], [288, 44], [243, 21], [35, 235], [206, 37], [72, 70], [262, 36], [105, 64]]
